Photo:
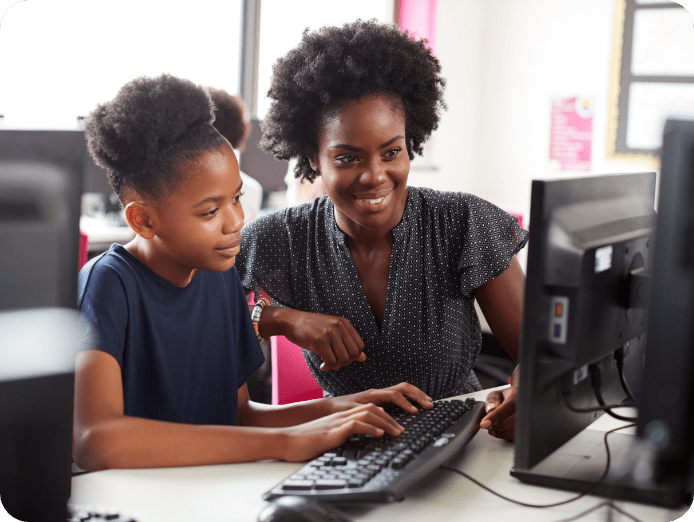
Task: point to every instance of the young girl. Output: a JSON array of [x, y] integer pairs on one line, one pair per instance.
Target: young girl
[[376, 271], [173, 343]]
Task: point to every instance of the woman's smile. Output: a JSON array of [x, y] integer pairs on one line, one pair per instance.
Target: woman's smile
[[373, 202]]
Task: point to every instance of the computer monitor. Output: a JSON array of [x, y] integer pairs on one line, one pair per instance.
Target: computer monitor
[[666, 412], [37, 361], [584, 316], [41, 174], [262, 165]]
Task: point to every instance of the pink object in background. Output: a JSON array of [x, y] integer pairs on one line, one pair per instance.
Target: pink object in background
[[519, 216], [84, 249], [419, 17], [292, 381], [571, 133]]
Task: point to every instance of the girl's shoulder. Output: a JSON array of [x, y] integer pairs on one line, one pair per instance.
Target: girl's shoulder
[[113, 263]]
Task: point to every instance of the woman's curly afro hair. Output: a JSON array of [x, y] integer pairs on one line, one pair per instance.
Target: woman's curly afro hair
[[230, 117], [149, 131], [334, 65]]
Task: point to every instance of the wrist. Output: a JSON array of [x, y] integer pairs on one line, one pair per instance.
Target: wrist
[[256, 314], [274, 321], [283, 444], [329, 405]]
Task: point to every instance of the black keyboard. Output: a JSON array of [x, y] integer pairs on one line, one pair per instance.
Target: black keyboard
[[382, 469], [90, 514]]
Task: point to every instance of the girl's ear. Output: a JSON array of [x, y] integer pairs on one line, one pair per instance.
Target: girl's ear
[[140, 218]]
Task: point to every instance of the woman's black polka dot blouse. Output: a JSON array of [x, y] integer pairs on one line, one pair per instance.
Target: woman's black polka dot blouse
[[446, 246]]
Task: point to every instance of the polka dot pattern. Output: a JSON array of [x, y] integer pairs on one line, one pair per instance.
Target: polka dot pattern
[[446, 246]]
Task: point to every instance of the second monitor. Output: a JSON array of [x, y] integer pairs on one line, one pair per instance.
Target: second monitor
[[584, 324]]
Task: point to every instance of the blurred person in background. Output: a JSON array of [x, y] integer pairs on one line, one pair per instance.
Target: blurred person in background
[[232, 122]]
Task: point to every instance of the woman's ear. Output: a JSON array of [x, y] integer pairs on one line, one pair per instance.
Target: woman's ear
[[140, 218], [313, 161]]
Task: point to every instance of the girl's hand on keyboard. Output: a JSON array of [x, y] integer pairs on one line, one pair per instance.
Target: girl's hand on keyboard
[[309, 440], [402, 395]]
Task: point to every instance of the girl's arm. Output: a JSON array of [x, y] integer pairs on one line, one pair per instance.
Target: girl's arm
[[103, 437], [257, 414]]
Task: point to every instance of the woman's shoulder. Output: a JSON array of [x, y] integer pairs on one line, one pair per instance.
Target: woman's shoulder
[[437, 201]]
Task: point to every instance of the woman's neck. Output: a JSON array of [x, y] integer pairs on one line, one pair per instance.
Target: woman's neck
[[368, 238]]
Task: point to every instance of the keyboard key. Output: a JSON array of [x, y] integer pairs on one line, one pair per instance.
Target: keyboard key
[[331, 484], [297, 485]]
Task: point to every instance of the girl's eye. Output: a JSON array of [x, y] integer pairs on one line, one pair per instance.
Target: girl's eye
[[210, 213]]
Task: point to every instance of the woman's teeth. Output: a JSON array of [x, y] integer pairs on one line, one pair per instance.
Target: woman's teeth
[[375, 201]]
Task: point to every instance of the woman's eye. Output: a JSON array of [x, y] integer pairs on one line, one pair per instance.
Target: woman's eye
[[238, 197], [346, 159], [210, 213], [393, 152]]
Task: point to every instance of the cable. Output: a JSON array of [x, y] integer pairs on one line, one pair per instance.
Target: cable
[[565, 395], [619, 359], [580, 495], [596, 408], [596, 382], [598, 506]]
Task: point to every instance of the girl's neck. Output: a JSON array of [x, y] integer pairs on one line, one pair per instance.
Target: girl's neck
[[168, 269]]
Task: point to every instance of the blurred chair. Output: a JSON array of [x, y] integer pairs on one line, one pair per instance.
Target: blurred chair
[[292, 381]]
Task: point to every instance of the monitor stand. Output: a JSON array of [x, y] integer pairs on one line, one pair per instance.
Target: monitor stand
[[581, 462]]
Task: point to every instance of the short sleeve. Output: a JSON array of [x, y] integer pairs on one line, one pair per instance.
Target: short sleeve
[[104, 308], [264, 260], [491, 238]]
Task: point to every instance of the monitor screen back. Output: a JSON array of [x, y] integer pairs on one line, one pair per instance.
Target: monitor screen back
[[587, 237], [37, 360], [41, 175]]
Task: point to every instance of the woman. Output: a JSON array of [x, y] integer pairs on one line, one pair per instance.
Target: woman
[[375, 271]]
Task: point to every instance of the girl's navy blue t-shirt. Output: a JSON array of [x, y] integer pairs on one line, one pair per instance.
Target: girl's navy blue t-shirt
[[183, 352]]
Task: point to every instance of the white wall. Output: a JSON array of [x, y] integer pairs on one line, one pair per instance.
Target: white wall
[[504, 61]]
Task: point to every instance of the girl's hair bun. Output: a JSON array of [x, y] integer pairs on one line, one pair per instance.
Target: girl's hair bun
[[146, 127]]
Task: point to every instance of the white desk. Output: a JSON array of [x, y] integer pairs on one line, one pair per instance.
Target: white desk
[[233, 492]]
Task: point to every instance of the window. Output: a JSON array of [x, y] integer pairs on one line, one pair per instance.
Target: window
[[62, 58], [282, 24], [653, 75]]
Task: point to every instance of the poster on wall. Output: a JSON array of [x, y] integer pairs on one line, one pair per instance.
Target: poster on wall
[[571, 134]]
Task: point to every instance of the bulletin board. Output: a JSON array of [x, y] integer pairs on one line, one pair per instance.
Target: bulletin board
[[652, 76]]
